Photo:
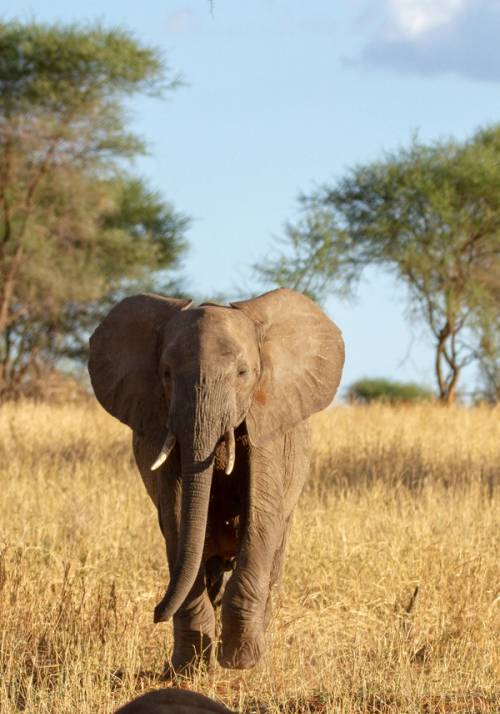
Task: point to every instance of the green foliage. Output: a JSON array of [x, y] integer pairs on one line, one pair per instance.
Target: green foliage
[[59, 68], [385, 390], [429, 214], [77, 229]]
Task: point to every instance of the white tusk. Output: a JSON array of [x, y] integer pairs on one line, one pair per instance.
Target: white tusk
[[230, 450], [165, 451]]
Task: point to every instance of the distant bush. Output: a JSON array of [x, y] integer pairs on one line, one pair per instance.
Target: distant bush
[[385, 390]]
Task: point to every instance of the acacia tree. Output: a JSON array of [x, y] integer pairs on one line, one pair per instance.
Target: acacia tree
[[430, 214], [75, 226], [487, 333]]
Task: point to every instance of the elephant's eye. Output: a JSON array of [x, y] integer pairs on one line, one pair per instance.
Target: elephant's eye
[[166, 375], [242, 370]]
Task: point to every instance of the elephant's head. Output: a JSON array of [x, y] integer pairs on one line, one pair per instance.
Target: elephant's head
[[189, 376]]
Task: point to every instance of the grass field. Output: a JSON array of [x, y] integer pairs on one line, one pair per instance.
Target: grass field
[[391, 598]]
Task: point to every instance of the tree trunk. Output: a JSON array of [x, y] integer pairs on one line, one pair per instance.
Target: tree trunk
[[447, 384]]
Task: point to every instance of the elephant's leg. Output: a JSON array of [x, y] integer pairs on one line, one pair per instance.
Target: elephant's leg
[[296, 451], [194, 629], [246, 605], [194, 622], [277, 571], [279, 556], [245, 602]]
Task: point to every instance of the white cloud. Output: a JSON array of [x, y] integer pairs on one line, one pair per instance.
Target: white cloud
[[439, 36], [414, 17]]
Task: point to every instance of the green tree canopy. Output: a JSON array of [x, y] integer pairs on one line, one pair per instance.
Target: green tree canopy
[[430, 214], [76, 226]]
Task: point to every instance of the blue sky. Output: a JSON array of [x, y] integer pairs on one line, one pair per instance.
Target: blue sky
[[283, 95]]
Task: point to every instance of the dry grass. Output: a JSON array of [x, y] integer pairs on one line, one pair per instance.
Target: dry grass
[[398, 500]]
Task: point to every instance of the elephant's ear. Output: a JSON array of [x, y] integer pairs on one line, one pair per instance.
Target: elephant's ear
[[123, 362], [302, 355]]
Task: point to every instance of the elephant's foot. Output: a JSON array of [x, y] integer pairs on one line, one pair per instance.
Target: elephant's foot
[[243, 625], [187, 669], [242, 653], [192, 650]]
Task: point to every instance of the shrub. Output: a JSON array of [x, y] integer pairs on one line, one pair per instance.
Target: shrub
[[386, 390]]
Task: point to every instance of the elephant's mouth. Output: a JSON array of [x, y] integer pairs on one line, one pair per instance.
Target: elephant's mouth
[[242, 443], [229, 499]]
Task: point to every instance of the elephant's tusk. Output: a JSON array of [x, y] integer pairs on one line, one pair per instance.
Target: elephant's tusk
[[165, 451], [230, 450]]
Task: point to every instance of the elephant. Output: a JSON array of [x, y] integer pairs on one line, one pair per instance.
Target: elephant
[[173, 701], [218, 399]]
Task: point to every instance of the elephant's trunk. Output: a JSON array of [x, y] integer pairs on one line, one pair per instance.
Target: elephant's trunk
[[194, 513], [199, 424]]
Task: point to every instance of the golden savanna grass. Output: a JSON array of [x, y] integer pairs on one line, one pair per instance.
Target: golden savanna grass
[[391, 592]]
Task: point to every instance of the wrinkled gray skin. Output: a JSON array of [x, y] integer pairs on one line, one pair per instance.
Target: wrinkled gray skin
[[173, 701], [258, 368]]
